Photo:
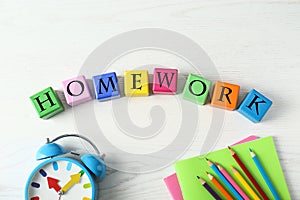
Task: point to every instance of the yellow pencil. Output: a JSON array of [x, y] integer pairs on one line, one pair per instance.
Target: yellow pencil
[[244, 183]]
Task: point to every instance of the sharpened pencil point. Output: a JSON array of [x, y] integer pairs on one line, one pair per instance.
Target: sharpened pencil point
[[252, 153], [198, 177], [233, 169], [209, 162], [231, 150], [201, 180], [209, 176]]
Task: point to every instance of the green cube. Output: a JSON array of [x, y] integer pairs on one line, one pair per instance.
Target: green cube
[[47, 103], [196, 89]]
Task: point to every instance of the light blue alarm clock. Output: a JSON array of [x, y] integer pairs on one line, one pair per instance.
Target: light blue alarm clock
[[65, 176]]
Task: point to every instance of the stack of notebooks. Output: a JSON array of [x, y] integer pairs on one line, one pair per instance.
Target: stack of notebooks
[[249, 169]]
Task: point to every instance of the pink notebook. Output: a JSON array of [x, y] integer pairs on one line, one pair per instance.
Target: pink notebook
[[172, 181], [173, 186]]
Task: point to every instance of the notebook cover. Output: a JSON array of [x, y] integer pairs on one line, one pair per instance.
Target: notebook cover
[[172, 180], [173, 187], [188, 170]]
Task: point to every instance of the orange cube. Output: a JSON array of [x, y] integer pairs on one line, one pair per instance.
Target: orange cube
[[225, 95]]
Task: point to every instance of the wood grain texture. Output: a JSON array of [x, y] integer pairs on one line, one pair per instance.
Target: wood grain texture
[[254, 44]]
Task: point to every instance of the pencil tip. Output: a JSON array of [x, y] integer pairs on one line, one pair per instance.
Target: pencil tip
[[198, 177], [233, 169], [201, 180], [209, 162], [231, 150], [250, 150], [207, 173]]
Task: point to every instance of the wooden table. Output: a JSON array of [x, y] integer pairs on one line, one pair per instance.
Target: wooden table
[[254, 44]]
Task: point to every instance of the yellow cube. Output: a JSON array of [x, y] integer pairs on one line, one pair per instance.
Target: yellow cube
[[136, 83]]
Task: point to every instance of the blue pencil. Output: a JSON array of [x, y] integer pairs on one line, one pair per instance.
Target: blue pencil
[[224, 180], [264, 175]]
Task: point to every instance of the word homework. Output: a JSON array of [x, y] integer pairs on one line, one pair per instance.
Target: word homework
[[136, 83]]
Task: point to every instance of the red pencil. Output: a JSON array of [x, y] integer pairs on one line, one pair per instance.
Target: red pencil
[[244, 168]]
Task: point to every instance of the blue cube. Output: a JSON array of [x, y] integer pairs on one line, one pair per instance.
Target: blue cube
[[255, 106], [106, 86]]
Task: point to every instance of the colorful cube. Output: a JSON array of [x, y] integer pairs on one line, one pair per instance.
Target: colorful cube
[[136, 83], [47, 103], [164, 81], [255, 106], [76, 90], [196, 89], [225, 95], [106, 86]]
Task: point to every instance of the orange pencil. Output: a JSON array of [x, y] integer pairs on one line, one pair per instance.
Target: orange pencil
[[219, 186]]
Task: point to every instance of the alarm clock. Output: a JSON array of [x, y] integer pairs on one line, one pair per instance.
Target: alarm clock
[[65, 175]]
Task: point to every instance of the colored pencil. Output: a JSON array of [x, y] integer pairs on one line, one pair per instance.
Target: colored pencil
[[264, 174], [248, 174], [244, 183], [232, 182], [224, 180], [219, 186], [209, 189]]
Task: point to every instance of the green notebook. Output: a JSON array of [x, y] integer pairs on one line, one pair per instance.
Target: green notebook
[[264, 148]]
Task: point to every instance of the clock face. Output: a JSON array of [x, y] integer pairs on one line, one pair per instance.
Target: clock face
[[60, 179]]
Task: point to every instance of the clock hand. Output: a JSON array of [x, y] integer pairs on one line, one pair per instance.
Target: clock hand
[[53, 183], [75, 178]]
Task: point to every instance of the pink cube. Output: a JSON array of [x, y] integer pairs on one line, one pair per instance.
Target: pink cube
[[164, 81], [76, 90]]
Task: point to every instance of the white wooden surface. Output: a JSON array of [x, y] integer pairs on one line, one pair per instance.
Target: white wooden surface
[[255, 44]]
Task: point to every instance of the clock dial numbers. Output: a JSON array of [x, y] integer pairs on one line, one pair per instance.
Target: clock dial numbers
[[36, 185], [87, 185], [55, 166], [46, 182], [43, 173], [69, 166]]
